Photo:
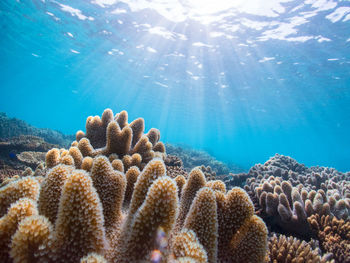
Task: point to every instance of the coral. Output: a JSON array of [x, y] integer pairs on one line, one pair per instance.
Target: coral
[[50, 191], [87, 163], [158, 210], [110, 186], [113, 135], [15, 190], [174, 171], [31, 158], [131, 177], [186, 247], [12, 127], [173, 160], [239, 231], [284, 249], [150, 173], [93, 258], [193, 158], [118, 165], [208, 172], [79, 226], [32, 241], [19, 210], [288, 207], [180, 182], [202, 219], [333, 234], [217, 185], [52, 157], [195, 181], [77, 156]]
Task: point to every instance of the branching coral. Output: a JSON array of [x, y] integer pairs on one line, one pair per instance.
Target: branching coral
[[333, 234], [113, 135], [284, 249], [110, 211]]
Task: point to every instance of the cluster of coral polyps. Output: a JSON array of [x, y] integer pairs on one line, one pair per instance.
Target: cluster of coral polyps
[[90, 204]]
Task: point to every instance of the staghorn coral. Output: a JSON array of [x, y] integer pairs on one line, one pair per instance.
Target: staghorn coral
[[284, 249], [180, 182], [333, 235], [32, 241]]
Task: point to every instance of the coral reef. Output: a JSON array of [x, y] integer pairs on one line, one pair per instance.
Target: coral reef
[[193, 158], [12, 127], [109, 198]]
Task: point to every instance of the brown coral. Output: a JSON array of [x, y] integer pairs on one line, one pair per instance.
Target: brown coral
[[111, 135], [284, 249], [333, 234], [79, 226], [8, 224], [10, 193], [158, 210], [32, 242]]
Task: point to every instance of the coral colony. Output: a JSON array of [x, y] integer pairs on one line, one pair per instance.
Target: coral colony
[[116, 196]]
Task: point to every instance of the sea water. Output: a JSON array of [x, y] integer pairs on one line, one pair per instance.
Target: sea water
[[242, 80]]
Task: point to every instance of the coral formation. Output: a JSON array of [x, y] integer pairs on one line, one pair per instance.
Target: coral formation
[[114, 135], [333, 235], [109, 198], [284, 249]]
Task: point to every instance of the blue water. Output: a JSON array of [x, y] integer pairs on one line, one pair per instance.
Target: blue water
[[243, 82]]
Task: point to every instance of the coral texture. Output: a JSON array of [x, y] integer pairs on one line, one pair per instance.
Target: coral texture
[[334, 236], [284, 249]]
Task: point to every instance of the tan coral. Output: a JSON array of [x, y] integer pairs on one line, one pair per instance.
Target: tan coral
[[187, 248], [93, 258], [50, 191], [8, 224], [158, 210], [79, 226], [110, 186], [284, 249], [52, 158], [131, 177], [195, 181], [32, 242], [10, 193], [202, 219]]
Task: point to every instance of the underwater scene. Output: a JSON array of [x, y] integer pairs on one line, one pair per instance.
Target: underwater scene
[[175, 131]]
